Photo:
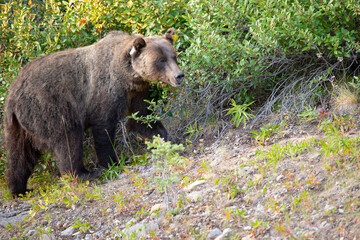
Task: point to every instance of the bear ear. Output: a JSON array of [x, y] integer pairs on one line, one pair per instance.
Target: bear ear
[[170, 35], [138, 44]]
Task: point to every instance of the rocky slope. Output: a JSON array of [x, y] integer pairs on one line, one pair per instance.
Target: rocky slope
[[283, 186]]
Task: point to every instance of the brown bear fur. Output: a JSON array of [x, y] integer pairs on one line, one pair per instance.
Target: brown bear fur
[[58, 96]]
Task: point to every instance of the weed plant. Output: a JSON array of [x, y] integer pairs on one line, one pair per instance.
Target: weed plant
[[167, 160]]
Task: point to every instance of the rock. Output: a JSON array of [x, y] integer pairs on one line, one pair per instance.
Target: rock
[[209, 176], [314, 155], [151, 226], [225, 234], [67, 232], [31, 232], [248, 237], [12, 217], [99, 235], [215, 162], [329, 208], [247, 228], [141, 229], [137, 228], [158, 212], [88, 237], [47, 237], [214, 233], [219, 155], [131, 222], [193, 185], [158, 207], [257, 177], [250, 155], [195, 196]]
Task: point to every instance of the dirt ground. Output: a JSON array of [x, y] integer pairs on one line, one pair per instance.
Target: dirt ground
[[228, 189]]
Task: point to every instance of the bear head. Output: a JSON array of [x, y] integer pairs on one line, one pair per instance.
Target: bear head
[[154, 59]]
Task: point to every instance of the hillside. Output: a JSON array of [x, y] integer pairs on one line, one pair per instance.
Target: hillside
[[295, 181], [292, 175]]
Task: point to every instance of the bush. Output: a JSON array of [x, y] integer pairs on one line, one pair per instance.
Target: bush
[[330, 28], [284, 55], [215, 68]]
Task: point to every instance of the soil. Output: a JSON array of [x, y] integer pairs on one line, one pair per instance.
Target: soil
[[226, 192]]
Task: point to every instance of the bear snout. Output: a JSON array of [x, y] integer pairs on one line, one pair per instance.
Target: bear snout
[[179, 77]]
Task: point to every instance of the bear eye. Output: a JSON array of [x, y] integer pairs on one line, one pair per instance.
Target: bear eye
[[162, 60]]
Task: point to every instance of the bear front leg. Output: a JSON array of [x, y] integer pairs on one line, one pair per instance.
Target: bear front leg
[[104, 137], [69, 155]]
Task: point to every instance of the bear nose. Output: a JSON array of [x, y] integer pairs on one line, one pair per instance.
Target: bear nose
[[179, 77]]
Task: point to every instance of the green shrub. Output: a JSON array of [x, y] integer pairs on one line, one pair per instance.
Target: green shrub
[[283, 55], [330, 28]]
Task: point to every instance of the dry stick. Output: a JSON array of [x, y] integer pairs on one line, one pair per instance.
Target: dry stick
[[113, 146], [124, 133], [126, 138], [286, 88]]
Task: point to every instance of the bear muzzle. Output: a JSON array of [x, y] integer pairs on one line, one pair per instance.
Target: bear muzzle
[[179, 77]]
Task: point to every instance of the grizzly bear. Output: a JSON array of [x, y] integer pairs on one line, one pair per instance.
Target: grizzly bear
[[56, 97]]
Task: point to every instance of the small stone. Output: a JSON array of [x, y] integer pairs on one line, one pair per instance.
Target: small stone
[[209, 176], [99, 234], [227, 232], [257, 177], [131, 222], [47, 237], [229, 203], [151, 226], [67, 232], [88, 237], [141, 229], [158, 207], [314, 155], [246, 228], [278, 178], [214, 233], [195, 196], [193, 185], [329, 208], [248, 237]]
